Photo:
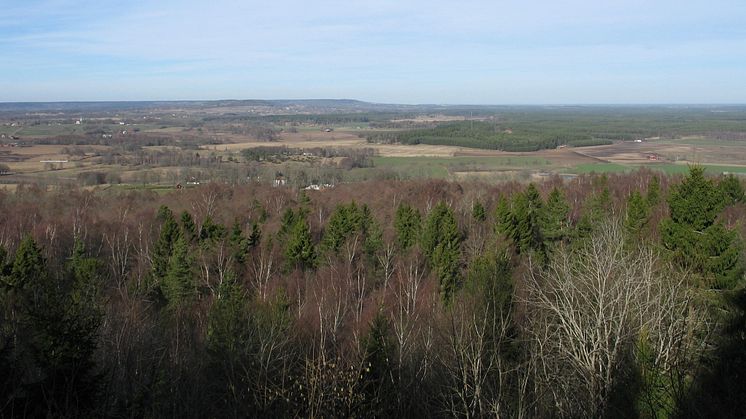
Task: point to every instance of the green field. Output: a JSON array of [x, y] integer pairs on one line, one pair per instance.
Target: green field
[[668, 168], [442, 167]]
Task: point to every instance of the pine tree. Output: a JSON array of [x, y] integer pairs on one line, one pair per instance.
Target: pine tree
[[408, 224]]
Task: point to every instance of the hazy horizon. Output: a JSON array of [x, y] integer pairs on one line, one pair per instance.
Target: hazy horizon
[[475, 53]]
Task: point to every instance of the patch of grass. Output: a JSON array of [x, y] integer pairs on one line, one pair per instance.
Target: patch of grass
[[442, 167], [602, 168], [675, 169], [705, 141]]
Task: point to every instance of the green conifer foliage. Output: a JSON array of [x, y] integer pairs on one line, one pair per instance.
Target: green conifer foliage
[[179, 285], [522, 221], [441, 243], [654, 192], [408, 225], [637, 214], [29, 267], [255, 237], [694, 236], [188, 226], [732, 190], [212, 231], [239, 243], [554, 224], [378, 365], [300, 252], [478, 212], [164, 246], [287, 222], [349, 221]]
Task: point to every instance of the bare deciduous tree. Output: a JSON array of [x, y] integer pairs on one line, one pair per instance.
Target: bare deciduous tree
[[588, 312]]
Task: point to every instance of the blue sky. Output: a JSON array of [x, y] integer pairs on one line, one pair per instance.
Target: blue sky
[[468, 51]]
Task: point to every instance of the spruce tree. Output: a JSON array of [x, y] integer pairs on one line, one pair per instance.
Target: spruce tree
[[239, 243], [441, 243], [162, 249], [255, 237], [637, 214], [29, 266], [300, 252], [695, 237], [731, 189], [478, 212], [287, 222], [188, 227], [379, 353], [179, 285], [408, 224], [554, 223]]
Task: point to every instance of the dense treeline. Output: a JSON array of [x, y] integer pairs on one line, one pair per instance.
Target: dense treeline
[[535, 128], [479, 134], [604, 297]]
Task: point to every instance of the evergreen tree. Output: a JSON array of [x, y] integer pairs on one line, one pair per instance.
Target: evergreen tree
[[441, 243], [371, 231], [164, 246], [694, 236], [654, 192], [300, 252], [379, 365], [29, 266], [227, 331], [211, 231], [255, 237], [522, 222], [179, 285], [478, 212], [554, 223], [732, 190], [4, 265], [503, 218], [54, 331], [408, 224], [340, 225], [286, 224], [188, 227], [637, 214], [239, 243]]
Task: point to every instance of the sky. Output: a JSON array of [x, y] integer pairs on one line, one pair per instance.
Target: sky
[[404, 51]]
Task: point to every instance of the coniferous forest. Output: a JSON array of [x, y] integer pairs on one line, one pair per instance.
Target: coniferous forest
[[616, 296]]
